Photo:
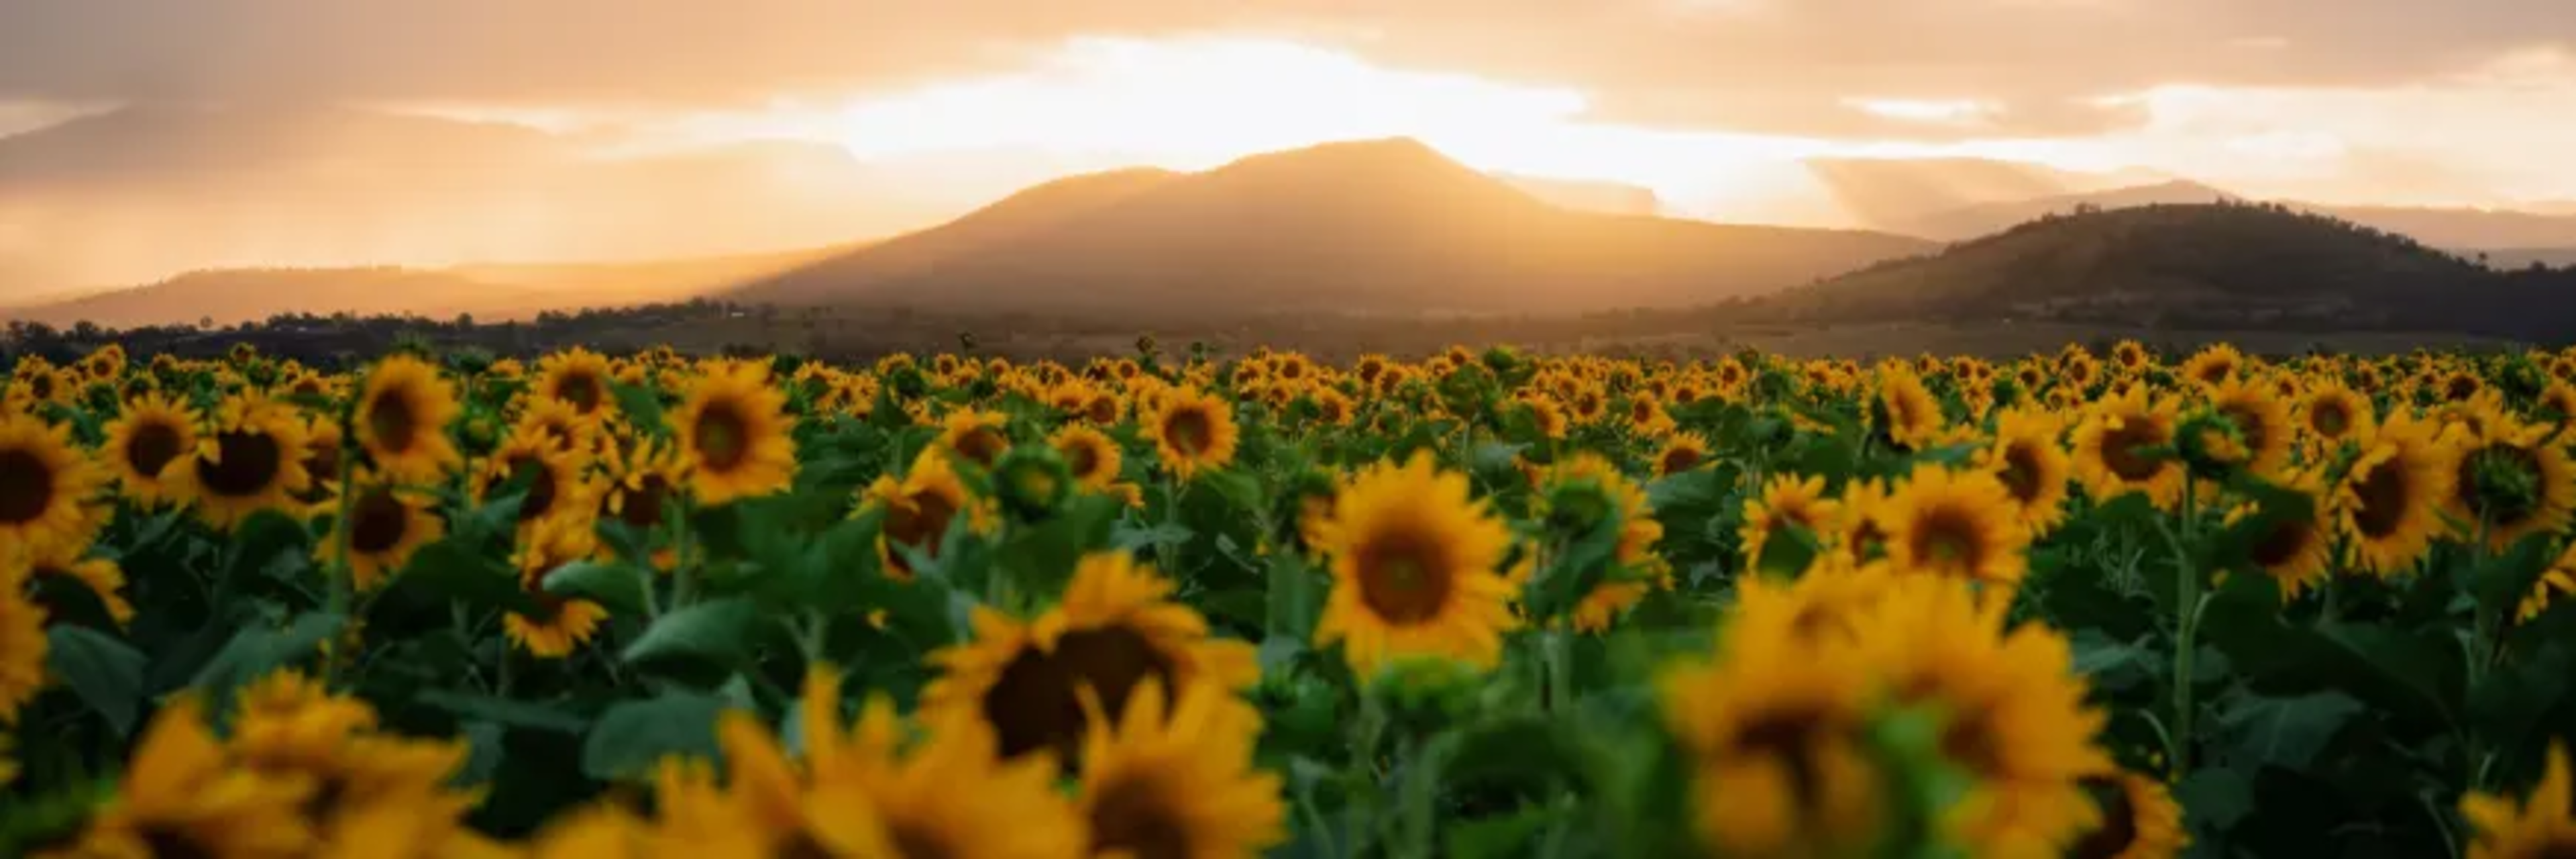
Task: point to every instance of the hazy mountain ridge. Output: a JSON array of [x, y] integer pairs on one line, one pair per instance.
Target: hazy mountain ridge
[[1364, 226], [2184, 266], [2459, 228]]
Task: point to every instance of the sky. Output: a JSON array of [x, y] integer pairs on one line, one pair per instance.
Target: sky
[[1712, 103]]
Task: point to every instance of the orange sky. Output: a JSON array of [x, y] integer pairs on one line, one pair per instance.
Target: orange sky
[[1711, 102]]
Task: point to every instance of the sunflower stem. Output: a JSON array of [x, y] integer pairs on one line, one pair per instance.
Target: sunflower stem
[[684, 571], [2187, 634]]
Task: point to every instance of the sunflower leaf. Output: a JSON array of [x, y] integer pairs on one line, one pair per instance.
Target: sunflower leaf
[[452, 569], [256, 651], [2288, 732], [107, 674], [641, 407], [633, 736], [615, 584], [716, 630]]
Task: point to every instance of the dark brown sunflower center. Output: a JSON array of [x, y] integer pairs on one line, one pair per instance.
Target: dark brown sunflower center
[[1792, 736], [323, 457], [801, 844], [1404, 575], [168, 841], [541, 487], [1641, 411], [391, 420], [1134, 815], [916, 840], [920, 524], [377, 521], [2329, 418], [247, 463], [1102, 410], [2284, 542], [2214, 372], [26, 486], [1948, 538], [42, 385], [2119, 826], [2559, 846], [2022, 474], [984, 445], [1033, 704], [583, 390], [2460, 388], [1678, 460], [2385, 494], [1190, 431], [724, 438], [643, 504], [1083, 458], [2249, 426], [1970, 741], [2121, 449], [153, 445]]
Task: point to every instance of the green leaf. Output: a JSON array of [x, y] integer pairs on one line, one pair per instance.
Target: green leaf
[[615, 584], [105, 672], [1498, 837], [503, 711], [2213, 801], [716, 630], [1295, 596], [632, 736], [256, 651], [1132, 538], [642, 408], [2288, 732], [453, 569]]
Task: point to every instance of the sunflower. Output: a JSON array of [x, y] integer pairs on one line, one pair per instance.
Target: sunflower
[[1787, 501], [1116, 627], [2542, 825], [2459, 386], [1174, 778], [2017, 722], [1958, 524], [772, 808], [182, 795], [639, 477], [1545, 414], [2297, 552], [952, 794], [1194, 430], [367, 785], [579, 378], [1413, 564], [146, 439], [976, 436], [1093, 458], [563, 427], [919, 509], [733, 434], [2513, 480], [1682, 452], [1904, 410], [560, 623], [1634, 552], [402, 418], [556, 484], [2332, 414], [2262, 422], [22, 644], [2109, 459], [45, 486], [2032, 465], [385, 526], [100, 577], [2214, 364], [2556, 403], [2390, 501], [1859, 532], [2559, 579], [251, 459], [1774, 732], [2140, 820], [2131, 357]]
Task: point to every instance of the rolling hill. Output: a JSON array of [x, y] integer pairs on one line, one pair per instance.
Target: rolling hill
[[2462, 229], [1387, 226], [2222, 265]]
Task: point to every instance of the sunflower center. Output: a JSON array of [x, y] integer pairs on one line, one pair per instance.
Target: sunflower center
[[801, 844], [723, 439], [1132, 815], [2121, 449], [377, 522], [2460, 388], [2329, 418], [26, 486], [1948, 538], [1969, 739], [2249, 427], [153, 445], [390, 419], [1033, 705], [1404, 576], [541, 487], [643, 504], [2560, 846], [247, 462], [1678, 460], [1083, 459], [167, 841], [1791, 736], [984, 445], [2021, 473], [2119, 826], [2283, 542], [2384, 494], [913, 840], [1102, 410], [582, 390], [324, 454], [921, 523], [1190, 431]]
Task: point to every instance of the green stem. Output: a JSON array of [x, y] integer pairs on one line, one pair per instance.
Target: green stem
[[684, 569], [2187, 636]]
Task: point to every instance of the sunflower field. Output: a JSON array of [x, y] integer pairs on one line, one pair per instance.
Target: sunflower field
[[1481, 604]]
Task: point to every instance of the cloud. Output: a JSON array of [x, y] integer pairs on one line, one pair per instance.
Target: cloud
[[2040, 68]]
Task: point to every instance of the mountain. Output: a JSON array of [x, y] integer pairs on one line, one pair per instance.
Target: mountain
[[2514, 258], [1608, 198], [241, 295], [1986, 218], [2211, 266], [135, 194], [1364, 226], [2466, 229]]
